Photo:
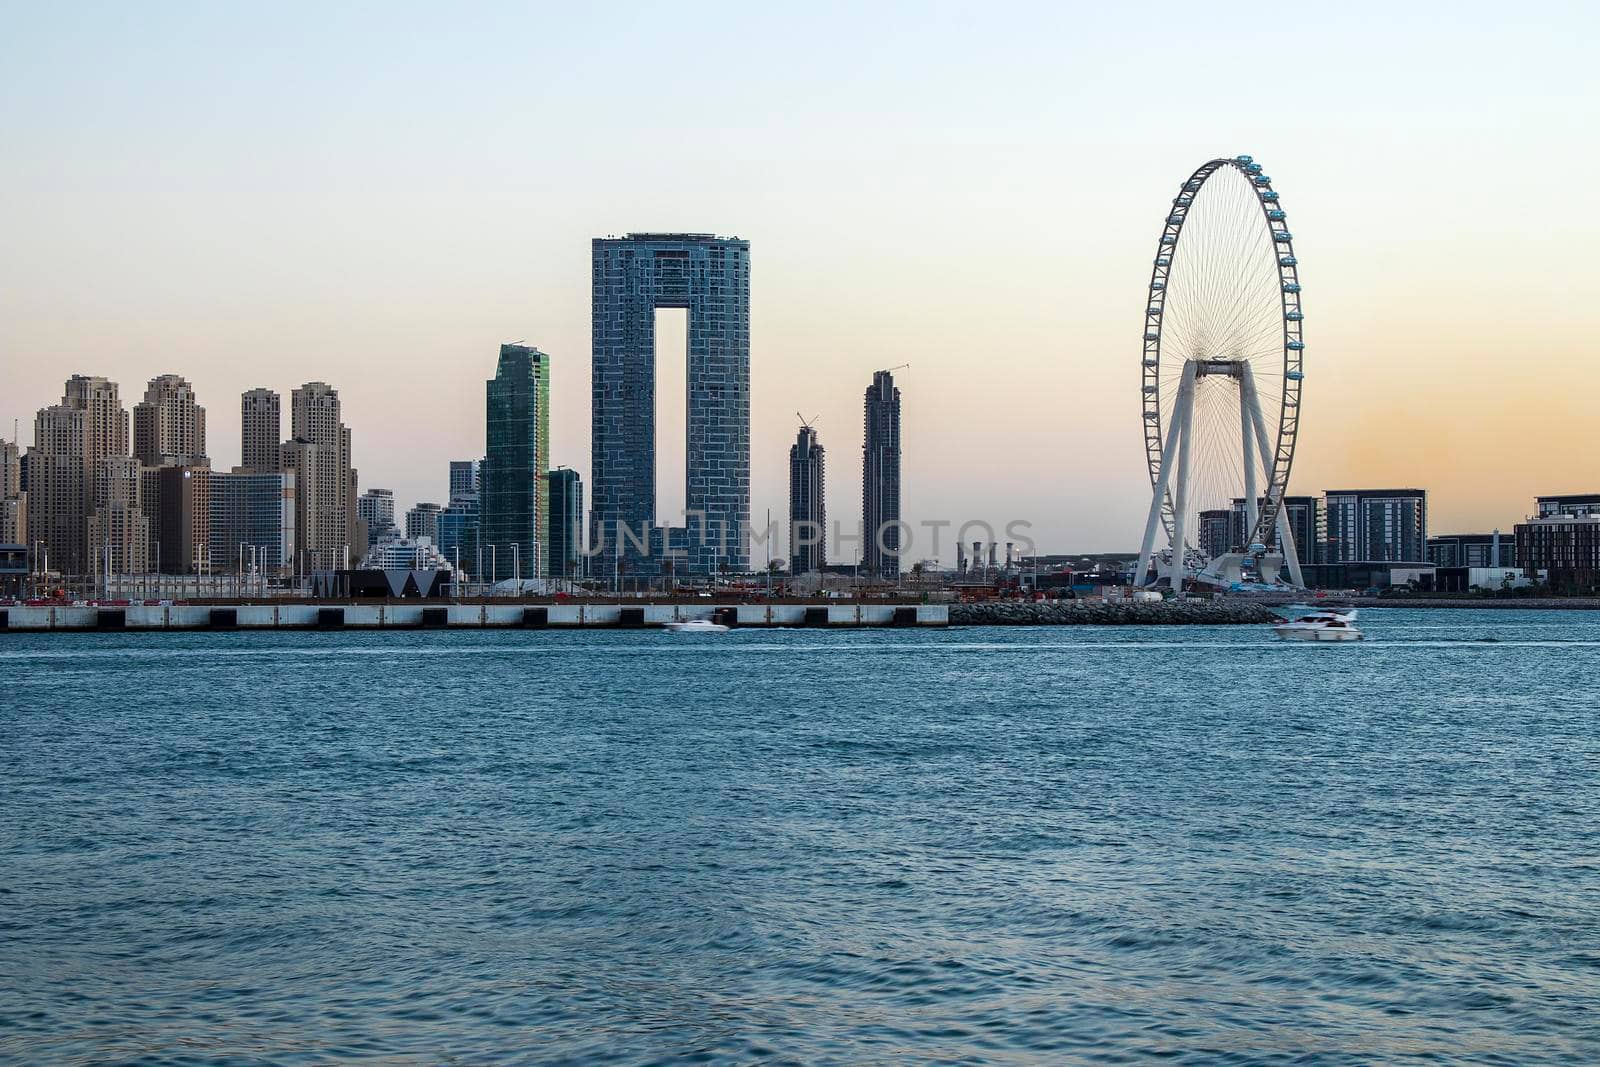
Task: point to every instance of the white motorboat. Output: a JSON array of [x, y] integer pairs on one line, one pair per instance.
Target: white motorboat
[[1321, 624], [696, 626]]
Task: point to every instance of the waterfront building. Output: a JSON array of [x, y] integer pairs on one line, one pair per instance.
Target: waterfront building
[[564, 530], [69, 441], [463, 478], [880, 481], [315, 417], [260, 431], [515, 496], [633, 276], [808, 516], [1565, 547], [375, 507], [1573, 504], [251, 520], [423, 521], [1376, 526], [169, 425], [1481, 550], [1216, 535], [13, 498], [119, 531]]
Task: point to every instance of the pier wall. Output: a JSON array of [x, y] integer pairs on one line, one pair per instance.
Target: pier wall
[[332, 616]]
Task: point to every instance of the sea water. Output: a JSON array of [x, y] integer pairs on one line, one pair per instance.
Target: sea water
[[1042, 845]]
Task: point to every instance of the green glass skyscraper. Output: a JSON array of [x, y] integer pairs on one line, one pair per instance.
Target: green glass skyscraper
[[516, 497]]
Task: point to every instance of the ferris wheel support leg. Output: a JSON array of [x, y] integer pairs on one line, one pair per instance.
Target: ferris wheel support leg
[[1184, 414], [1286, 544], [1247, 437], [1158, 495]]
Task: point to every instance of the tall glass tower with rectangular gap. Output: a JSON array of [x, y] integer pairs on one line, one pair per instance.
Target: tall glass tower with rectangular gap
[[515, 496], [633, 276]]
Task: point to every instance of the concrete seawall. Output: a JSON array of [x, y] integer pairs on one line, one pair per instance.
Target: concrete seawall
[[334, 616], [1078, 613]]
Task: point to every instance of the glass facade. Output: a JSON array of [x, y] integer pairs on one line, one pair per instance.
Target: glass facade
[[255, 510], [564, 535], [632, 277], [515, 495]]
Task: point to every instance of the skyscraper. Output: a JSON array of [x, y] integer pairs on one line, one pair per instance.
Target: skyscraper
[[515, 497], [169, 426], [564, 529], [301, 460], [13, 499], [315, 418], [458, 522], [632, 277], [119, 531], [880, 478], [260, 431], [178, 502], [808, 520], [69, 441]]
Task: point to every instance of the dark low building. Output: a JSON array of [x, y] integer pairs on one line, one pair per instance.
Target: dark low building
[[1473, 550], [1566, 547], [371, 584]]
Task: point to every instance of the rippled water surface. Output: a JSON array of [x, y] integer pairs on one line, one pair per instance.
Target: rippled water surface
[[1041, 845]]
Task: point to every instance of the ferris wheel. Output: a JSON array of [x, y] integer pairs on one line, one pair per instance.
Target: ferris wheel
[[1222, 379]]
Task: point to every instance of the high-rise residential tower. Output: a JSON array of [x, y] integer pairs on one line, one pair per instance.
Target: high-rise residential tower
[[13, 499], [70, 440], [808, 520], [301, 460], [514, 497], [880, 478], [315, 417], [119, 531], [169, 425], [260, 431], [633, 276]]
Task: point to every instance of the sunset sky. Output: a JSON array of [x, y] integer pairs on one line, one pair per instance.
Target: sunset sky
[[379, 195]]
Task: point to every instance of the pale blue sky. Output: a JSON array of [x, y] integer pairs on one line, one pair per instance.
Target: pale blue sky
[[378, 195]]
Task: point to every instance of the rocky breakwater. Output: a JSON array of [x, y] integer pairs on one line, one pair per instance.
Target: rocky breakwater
[[1110, 613]]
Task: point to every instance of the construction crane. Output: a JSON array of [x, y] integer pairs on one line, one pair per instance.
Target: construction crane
[[805, 421], [902, 366]]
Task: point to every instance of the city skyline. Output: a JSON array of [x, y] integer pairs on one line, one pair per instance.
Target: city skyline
[[309, 263]]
